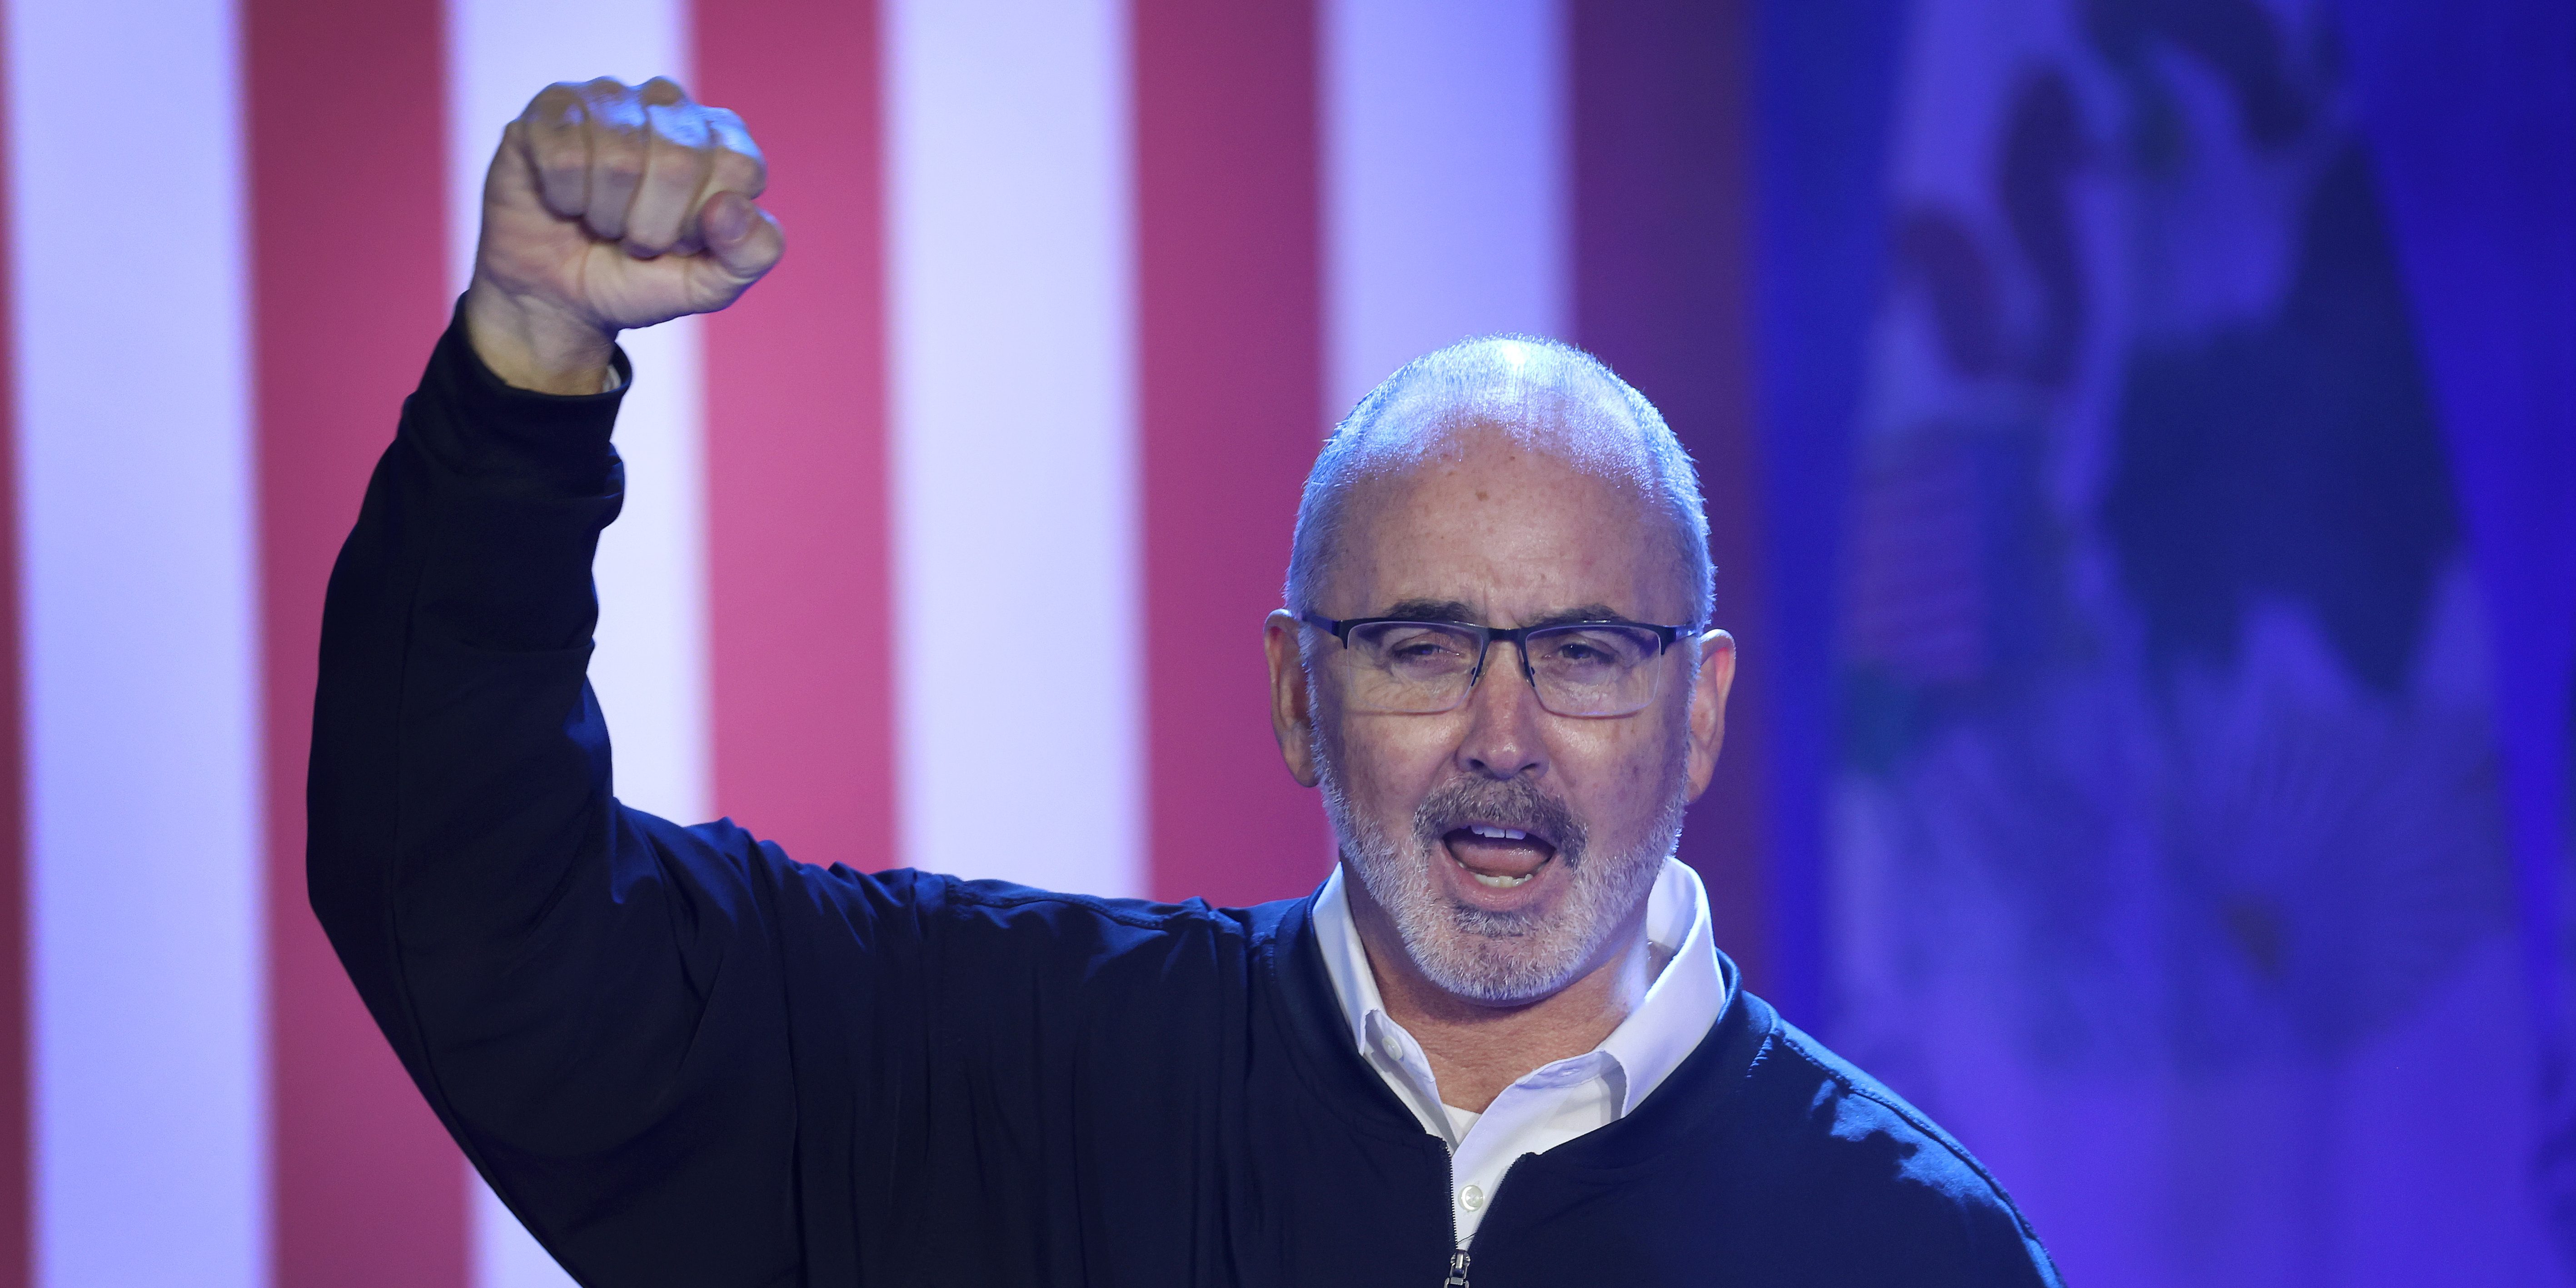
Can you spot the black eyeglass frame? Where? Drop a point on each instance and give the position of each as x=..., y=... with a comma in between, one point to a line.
x=1518, y=636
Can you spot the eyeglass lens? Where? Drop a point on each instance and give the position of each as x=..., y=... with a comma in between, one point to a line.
x=1428, y=667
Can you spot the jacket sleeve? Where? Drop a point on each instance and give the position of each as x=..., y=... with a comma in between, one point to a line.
x=590, y=998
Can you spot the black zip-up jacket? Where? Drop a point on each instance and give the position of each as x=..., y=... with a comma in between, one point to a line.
x=683, y=1059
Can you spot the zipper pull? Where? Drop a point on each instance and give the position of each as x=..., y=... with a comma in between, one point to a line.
x=1457, y=1270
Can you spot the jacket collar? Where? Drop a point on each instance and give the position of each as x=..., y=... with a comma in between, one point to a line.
x=1681, y=1004
x=1317, y=1036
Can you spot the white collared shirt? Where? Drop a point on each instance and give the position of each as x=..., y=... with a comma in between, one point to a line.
x=1556, y=1102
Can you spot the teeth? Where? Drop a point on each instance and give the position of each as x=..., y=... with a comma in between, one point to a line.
x=1497, y=833
x=1501, y=883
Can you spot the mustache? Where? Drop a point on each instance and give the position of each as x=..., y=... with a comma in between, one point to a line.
x=1516, y=804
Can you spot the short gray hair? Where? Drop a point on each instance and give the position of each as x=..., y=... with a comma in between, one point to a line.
x=1599, y=423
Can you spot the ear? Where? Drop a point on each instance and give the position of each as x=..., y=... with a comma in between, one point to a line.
x=1289, y=720
x=1708, y=706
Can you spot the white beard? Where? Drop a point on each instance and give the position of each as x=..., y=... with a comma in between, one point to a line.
x=1500, y=959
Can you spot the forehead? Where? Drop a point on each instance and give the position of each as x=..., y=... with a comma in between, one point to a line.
x=1502, y=522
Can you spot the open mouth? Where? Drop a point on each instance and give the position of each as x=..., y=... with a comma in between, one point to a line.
x=1498, y=857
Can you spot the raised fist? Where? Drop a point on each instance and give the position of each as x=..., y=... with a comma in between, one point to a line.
x=610, y=207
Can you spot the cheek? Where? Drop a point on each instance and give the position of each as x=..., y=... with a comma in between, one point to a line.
x=1618, y=772
x=1390, y=763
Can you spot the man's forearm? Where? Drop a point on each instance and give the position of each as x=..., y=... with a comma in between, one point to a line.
x=490, y=899
x=455, y=635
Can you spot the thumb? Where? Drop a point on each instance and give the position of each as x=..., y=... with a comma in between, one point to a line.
x=742, y=239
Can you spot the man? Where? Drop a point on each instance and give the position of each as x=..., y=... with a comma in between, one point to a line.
x=1497, y=1046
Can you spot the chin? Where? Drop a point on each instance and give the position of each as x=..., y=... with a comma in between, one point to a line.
x=1510, y=958
x=1496, y=957
x=1458, y=951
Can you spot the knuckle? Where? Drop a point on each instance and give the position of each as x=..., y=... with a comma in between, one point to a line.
x=617, y=150
x=738, y=162
x=740, y=173
x=556, y=151
x=674, y=169
x=677, y=127
x=728, y=125
x=612, y=105
x=614, y=133
x=555, y=104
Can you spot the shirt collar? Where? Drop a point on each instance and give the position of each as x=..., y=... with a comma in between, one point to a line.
x=1680, y=1005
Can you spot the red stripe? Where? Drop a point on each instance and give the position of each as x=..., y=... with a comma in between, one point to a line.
x=1662, y=292
x=16, y=1151
x=348, y=172
x=1231, y=371
x=797, y=517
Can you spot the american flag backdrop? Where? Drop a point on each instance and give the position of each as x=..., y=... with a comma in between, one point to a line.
x=949, y=546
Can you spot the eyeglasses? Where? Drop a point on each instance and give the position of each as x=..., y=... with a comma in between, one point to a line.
x=1424, y=668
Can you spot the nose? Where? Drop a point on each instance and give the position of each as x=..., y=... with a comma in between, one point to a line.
x=1503, y=721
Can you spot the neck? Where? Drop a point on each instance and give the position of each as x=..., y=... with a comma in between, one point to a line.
x=1478, y=1048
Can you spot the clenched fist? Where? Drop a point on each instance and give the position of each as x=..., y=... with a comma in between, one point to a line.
x=608, y=208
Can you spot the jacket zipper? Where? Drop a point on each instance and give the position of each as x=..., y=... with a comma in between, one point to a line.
x=1457, y=1254
x=1458, y=1257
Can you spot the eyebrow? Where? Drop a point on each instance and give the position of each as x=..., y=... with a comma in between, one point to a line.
x=1430, y=610
x=1451, y=610
x=1586, y=613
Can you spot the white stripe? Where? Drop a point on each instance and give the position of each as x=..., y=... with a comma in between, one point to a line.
x=142, y=667
x=1014, y=441
x=1444, y=177
x=651, y=665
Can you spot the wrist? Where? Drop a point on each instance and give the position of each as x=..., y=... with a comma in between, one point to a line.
x=536, y=346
